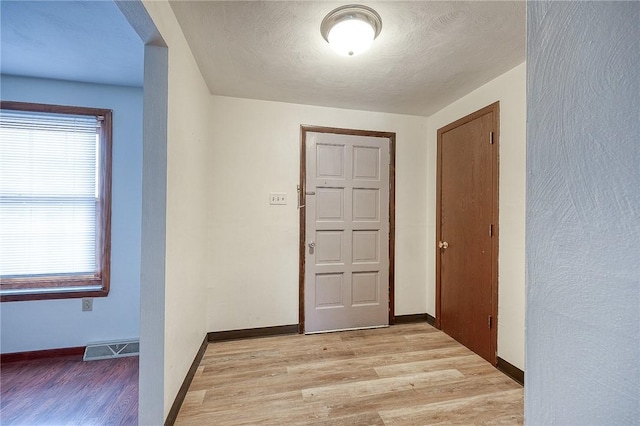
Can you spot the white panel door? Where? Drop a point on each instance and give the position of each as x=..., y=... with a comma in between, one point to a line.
x=347, y=232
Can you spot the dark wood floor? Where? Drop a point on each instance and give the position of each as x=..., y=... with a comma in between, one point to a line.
x=69, y=391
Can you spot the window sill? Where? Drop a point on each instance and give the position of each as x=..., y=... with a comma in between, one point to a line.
x=18, y=290
x=48, y=293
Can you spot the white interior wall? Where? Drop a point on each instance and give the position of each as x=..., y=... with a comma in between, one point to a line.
x=253, y=246
x=49, y=324
x=509, y=89
x=188, y=135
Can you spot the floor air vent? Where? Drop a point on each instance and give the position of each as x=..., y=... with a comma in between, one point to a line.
x=98, y=351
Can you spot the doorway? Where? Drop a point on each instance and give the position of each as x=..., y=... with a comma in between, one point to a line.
x=467, y=231
x=346, y=201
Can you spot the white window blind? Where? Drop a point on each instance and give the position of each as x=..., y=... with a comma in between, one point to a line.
x=48, y=194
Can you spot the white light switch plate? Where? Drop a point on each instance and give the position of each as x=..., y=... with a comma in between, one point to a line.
x=278, y=198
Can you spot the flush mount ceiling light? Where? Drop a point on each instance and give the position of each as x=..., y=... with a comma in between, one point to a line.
x=351, y=29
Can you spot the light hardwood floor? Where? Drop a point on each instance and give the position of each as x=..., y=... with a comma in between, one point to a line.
x=409, y=374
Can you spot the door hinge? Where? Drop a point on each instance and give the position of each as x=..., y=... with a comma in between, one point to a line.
x=489, y=322
x=491, y=138
x=491, y=230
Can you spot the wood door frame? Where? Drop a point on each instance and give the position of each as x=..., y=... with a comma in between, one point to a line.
x=495, y=109
x=304, y=129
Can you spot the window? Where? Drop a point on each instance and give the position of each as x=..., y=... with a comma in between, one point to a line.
x=55, y=201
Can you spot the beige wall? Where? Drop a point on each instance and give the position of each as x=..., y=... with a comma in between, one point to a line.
x=253, y=247
x=188, y=136
x=252, y=250
x=509, y=89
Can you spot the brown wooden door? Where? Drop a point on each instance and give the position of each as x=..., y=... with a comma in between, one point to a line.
x=467, y=231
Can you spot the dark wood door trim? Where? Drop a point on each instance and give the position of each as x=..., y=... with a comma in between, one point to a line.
x=495, y=109
x=304, y=129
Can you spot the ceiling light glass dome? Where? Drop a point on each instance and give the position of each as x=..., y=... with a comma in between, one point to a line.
x=351, y=29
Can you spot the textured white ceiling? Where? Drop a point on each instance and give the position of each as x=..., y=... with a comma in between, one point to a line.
x=87, y=41
x=429, y=53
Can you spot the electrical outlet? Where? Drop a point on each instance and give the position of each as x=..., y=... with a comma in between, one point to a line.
x=278, y=198
x=87, y=303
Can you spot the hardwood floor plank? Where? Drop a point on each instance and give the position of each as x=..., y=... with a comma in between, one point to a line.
x=404, y=374
x=426, y=366
x=476, y=409
x=380, y=386
x=403, y=346
x=232, y=405
x=285, y=383
x=362, y=419
x=67, y=390
x=213, y=378
x=273, y=409
x=193, y=399
x=379, y=360
x=439, y=392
